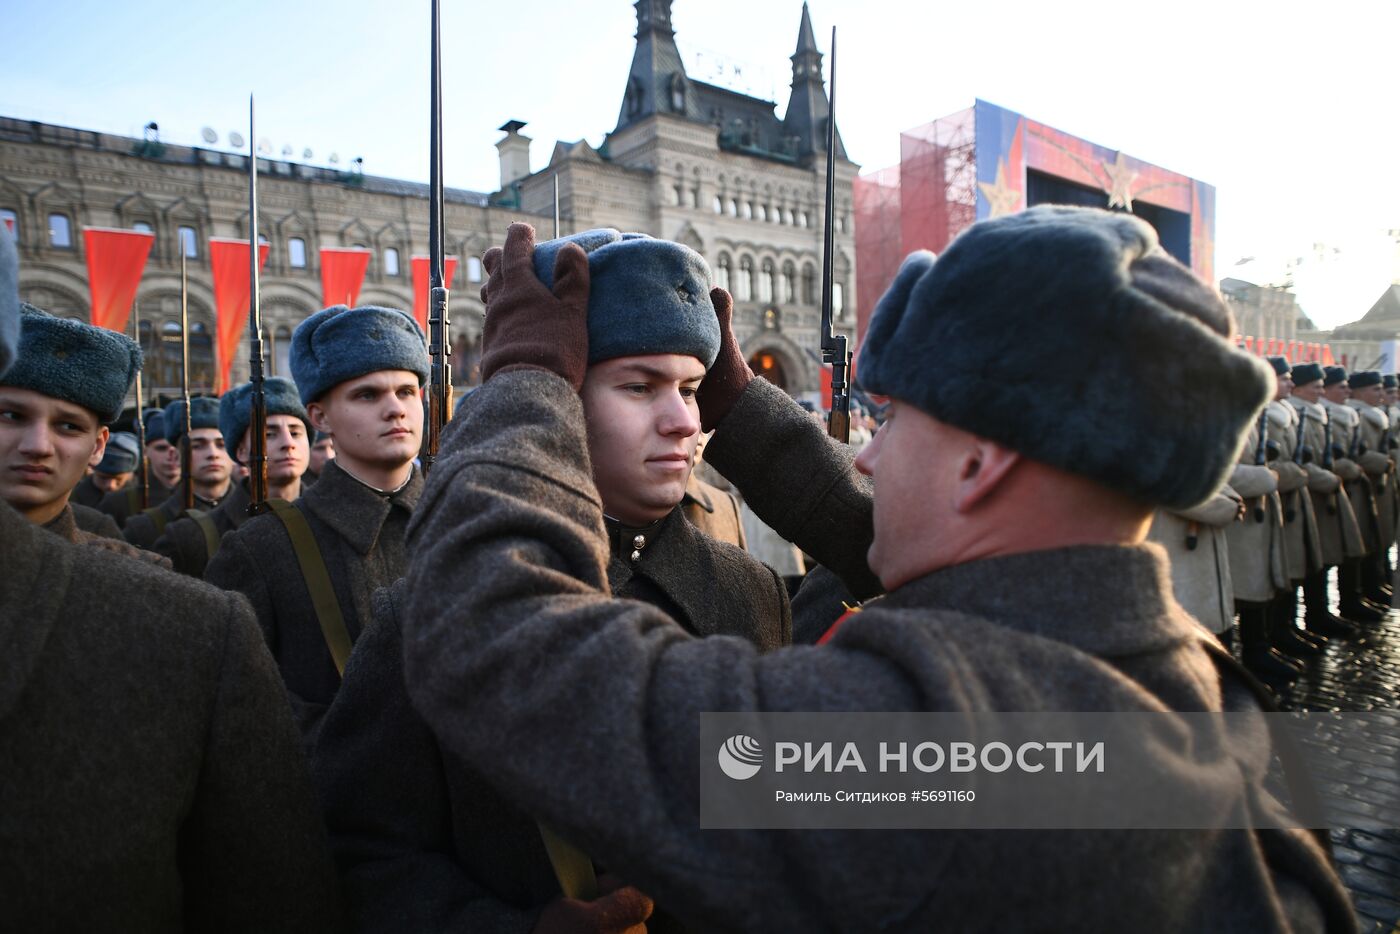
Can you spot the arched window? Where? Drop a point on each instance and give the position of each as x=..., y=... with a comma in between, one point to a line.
x=733, y=207
x=766, y=287
x=722, y=272
x=201, y=358
x=809, y=285
x=763, y=212
x=803, y=219
x=11, y=220
x=789, y=283
x=391, y=261
x=746, y=211
x=838, y=300
x=281, y=352
x=695, y=197
x=473, y=268
x=678, y=193
x=745, y=283
x=719, y=205
x=142, y=227
x=189, y=242
x=296, y=253
x=60, y=232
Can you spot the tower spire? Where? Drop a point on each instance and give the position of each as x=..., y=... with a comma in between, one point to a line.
x=807, y=107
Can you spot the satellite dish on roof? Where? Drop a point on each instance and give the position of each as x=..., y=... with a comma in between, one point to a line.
x=286, y=150
x=307, y=153
x=235, y=139
x=265, y=146
x=209, y=136
x=335, y=158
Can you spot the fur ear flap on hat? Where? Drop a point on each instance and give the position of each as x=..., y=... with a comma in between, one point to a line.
x=977, y=339
x=646, y=296
x=88, y=366
x=340, y=343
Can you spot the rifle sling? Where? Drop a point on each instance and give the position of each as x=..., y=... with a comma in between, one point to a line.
x=157, y=517
x=318, y=581
x=572, y=867
x=210, y=530
x=133, y=501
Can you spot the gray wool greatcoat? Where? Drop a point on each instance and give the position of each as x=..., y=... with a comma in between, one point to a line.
x=152, y=779
x=1374, y=497
x=422, y=842
x=98, y=523
x=361, y=537
x=66, y=526
x=1337, y=531
x=1255, y=544
x=585, y=710
x=1301, y=545
x=184, y=542
x=1200, y=575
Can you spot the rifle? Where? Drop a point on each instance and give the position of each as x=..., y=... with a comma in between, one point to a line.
x=257, y=422
x=439, y=399
x=1261, y=457
x=186, y=456
x=145, y=465
x=834, y=350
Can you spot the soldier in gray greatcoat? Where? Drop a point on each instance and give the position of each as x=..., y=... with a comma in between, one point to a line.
x=359, y=372
x=211, y=470
x=455, y=849
x=1011, y=547
x=189, y=542
x=1343, y=423
x=116, y=469
x=152, y=780
x=1374, y=496
x=57, y=402
x=162, y=473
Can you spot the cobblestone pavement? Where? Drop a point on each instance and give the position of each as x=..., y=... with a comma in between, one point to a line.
x=1364, y=674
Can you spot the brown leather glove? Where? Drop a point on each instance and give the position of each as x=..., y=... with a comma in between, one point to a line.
x=621, y=909
x=527, y=325
x=730, y=375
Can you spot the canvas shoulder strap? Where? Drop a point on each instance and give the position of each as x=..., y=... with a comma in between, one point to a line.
x=157, y=517
x=210, y=530
x=318, y=581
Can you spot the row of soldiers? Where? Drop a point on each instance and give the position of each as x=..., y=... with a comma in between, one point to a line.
x=1314, y=493
x=493, y=676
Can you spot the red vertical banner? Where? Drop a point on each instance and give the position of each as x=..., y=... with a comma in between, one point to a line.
x=115, y=261
x=342, y=274
x=232, y=292
x=420, y=286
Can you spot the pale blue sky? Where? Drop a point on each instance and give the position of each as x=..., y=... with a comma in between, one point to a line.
x=1288, y=108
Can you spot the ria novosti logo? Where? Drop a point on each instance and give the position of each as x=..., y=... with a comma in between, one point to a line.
x=740, y=757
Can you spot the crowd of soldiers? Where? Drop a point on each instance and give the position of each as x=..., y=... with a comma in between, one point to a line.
x=381, y=701
x=1314, y=493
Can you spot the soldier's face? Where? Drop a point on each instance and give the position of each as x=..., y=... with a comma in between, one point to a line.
x=377, y=419
x=643, y=425
x=1371, y=395
x=1285, y=386
x=287, y=449
x=110, y=482
x=1337, y=392
x=1390, y=396
x=912, y=459
x=210, y=464
x=46, y=447
x=1309, y=392
x=164, y=459
x=321, y=451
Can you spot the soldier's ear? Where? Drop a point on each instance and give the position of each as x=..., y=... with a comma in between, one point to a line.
x=99, y=449
x=317, y=414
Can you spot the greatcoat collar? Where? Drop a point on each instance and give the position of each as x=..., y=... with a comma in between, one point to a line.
x=668, y=560
x=356, y=512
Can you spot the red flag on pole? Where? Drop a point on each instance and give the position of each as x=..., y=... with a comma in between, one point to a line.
x=342, y=274
x=1327, y=359
x=228, y=259
x=420, y=286
x=115, y=261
